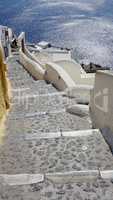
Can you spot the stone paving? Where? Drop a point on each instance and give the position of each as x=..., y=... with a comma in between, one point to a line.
x=19, y=155
x=43, y=122
x=55, y=155
x=95, y=190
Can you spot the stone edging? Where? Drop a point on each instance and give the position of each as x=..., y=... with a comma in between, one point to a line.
x=50, y=135
x=61, y=178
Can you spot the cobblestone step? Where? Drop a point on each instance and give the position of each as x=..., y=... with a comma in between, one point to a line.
x=47, y=190
x=21, y=78
x=67, y=177
x=47, y=122
x=54, y=155
x=39, y=103
x=33, y=91
x=15, y=68
x=38, y=145
x=27, y=83
x=35, y=86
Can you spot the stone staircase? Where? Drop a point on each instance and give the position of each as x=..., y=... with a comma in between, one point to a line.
x=47, y=153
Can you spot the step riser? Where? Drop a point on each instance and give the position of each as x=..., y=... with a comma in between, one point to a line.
x=51, y=135
x=59, y=178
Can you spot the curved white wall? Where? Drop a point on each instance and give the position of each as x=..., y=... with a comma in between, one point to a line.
x=78, y=75
x=32, y=57
x=32, y=67
x=28, y=60
x=57, y=76
x=20, y=38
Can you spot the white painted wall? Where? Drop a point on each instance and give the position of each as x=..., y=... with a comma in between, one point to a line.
x=58, y=76
x=80, y=92
x=32, y=57
x=28, y=60
x=20, y=38
x=75, y=71
x=32, y=67
x=101, y=105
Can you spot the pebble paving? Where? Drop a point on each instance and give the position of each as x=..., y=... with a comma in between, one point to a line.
x=95, y=190
x=19, y=155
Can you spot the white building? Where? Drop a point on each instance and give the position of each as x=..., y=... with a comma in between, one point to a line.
x=5, y=40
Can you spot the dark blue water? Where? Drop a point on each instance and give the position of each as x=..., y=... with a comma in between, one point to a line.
x=85, y=25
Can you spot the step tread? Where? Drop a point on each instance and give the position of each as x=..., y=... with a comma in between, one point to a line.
x=96, y=189
x=39, y=103
x=23, y=152
x=55, y=154
x=43, y=122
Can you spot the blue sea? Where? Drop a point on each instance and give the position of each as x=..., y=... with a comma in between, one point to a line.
x=84, y=25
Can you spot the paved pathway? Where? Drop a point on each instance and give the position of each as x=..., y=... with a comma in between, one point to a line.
x=44, y=156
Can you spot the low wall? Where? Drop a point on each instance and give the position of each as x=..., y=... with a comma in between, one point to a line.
x=10, y=35
x=32, y=57
x=4, y=99
x=58, y=77
x=28, y=60
x=80, y=92
x=21, y=40
x=31, y=66
x=63, y=55
x=78, y=75
x=22, y=45
x=101, y=105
